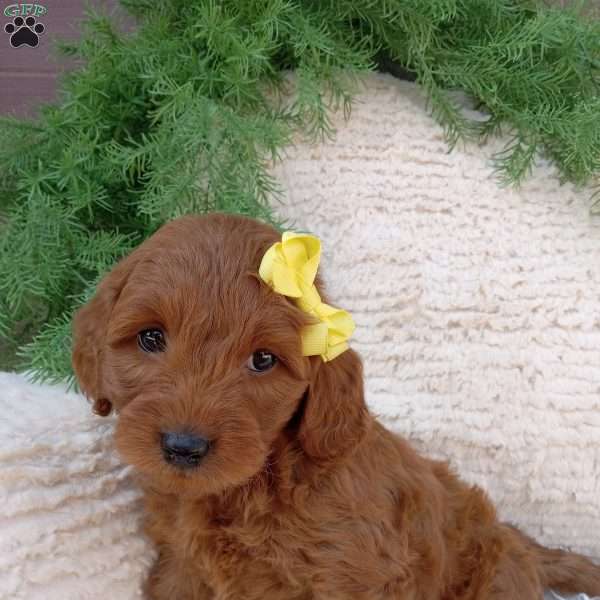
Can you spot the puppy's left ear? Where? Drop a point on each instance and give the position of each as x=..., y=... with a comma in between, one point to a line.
x=336, y=418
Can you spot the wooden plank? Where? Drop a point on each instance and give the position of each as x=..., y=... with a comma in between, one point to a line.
x=22, y=93
x=28, y=74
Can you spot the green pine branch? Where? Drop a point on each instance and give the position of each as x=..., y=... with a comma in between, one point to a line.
x=186, y=113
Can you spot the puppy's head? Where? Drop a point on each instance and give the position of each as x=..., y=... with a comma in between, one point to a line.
x=203, y=361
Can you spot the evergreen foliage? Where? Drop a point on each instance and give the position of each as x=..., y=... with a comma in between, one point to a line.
x=184, y=114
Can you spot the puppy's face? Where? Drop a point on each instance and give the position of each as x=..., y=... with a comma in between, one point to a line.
x=202, y=360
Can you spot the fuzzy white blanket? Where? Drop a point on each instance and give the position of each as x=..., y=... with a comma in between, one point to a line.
x=69, y=514
x=477, y=307
x=478, y=320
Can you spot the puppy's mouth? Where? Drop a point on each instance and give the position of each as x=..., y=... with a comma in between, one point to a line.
x=191, y=454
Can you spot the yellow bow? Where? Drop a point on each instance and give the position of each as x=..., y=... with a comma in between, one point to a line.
x=290, y=268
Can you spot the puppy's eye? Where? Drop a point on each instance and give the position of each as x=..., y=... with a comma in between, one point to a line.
x=151, y=340
x=261, y=361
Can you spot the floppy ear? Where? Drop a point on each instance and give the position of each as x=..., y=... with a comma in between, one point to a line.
x=90, y=325
x=335, y=418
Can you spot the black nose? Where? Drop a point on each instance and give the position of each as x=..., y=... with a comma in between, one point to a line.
x=184, y=450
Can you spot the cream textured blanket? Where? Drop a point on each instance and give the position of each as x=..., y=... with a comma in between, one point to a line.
x=69, y=514
x=477, y=307
x=478, y=318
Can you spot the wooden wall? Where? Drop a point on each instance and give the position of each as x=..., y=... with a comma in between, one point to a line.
x=28, y=75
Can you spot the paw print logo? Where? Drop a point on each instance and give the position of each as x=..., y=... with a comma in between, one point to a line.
x=24, y=31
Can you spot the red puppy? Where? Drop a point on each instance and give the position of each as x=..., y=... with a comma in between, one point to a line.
x=265, y=476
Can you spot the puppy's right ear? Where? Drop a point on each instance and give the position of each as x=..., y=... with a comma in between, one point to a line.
x=90, y=325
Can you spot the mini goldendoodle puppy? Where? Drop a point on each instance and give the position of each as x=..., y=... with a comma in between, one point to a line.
x=265, y=476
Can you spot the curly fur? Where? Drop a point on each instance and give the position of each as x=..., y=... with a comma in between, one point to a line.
x=304, y=494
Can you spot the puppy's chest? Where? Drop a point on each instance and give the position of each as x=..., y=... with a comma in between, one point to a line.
x=228, y=552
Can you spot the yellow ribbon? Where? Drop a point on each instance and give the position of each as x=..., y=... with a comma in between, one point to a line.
x=290, y=268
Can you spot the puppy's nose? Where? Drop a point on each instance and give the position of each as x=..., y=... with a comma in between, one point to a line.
x=184, y=450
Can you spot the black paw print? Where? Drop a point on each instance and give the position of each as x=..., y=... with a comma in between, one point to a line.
x=24, y=31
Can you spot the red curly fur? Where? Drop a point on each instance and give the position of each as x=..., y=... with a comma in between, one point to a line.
x=304, y=495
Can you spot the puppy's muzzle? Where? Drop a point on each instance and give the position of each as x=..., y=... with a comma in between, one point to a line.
x=183, y=450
